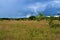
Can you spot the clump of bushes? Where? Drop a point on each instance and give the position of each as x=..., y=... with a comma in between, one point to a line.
x=32, y=18
x=51, y=18
x=40, y=17
x=59, y=18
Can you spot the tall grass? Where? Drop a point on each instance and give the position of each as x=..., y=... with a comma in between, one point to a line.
x=27, y=30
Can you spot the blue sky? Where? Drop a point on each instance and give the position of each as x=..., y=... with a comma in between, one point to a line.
x=26, y=8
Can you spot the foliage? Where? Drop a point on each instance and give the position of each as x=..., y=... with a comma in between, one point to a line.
x=32, y=18
x=51, y=20
x=59, y=17
x=40, y=17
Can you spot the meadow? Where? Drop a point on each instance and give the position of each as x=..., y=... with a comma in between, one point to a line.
x=29, y=30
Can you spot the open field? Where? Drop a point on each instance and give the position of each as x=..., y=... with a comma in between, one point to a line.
x=29, y=30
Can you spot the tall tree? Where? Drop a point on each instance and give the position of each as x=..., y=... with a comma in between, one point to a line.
x=40, y=16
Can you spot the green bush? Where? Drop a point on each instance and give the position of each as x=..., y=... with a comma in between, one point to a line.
x=51, y=20
x=32, y=18
x=59, y=17
x=40, y=17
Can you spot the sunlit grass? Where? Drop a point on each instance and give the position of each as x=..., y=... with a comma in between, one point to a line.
x=28, y=30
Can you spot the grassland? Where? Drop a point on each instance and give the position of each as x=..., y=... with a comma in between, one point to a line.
x=29, y=30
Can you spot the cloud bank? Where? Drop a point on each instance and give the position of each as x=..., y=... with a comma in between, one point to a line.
x=26, y=8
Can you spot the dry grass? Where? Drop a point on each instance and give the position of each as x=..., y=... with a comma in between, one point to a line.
x=28, y=30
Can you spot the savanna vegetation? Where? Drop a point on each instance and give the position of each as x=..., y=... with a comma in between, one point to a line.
x=32, y=28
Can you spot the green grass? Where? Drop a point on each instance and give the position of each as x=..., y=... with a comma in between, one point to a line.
x=28, y=30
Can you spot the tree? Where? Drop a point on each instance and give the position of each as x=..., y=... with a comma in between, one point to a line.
x=40, y=16
x=32, y=18
x=59, y=17
x=51, y=18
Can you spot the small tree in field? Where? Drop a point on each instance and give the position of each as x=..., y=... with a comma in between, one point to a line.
x=51, y=18
x=59, y=17
x=40, y=17
x=32, y=18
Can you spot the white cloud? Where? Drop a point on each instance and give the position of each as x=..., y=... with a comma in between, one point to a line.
x=58, y=11
x=42, y=6
x=54, y=16
x=28, y=15
x=55, y=4
x=37, y=7
x=56, y=0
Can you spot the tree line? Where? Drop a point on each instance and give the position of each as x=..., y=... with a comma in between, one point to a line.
x=38, y=18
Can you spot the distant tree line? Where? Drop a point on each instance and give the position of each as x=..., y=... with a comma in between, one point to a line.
x=38, y=18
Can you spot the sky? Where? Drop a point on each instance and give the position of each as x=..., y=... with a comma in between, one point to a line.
x=26, y=8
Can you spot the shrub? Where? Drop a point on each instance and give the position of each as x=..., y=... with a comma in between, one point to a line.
x=59, y=17
x=51, y=20
x=40, y=17
x=32, y=18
